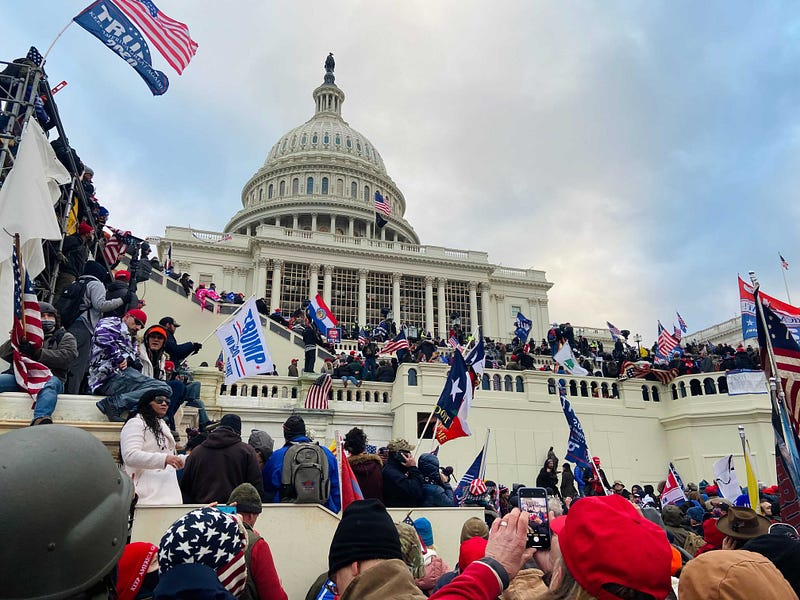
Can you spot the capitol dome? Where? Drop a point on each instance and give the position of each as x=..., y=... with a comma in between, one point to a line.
x=323, y=176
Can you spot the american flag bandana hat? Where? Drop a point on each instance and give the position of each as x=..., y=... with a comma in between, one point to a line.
x=477, y=487
x=208, y=537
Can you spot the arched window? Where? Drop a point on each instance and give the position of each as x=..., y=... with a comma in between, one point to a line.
x=353, y=189
x=655, y=394
x=325, y=139
x=604, y=390
x=708, y=384
x=260, y=195
x=584, y=389
x=340, y=187
x=485, y=383
x=349, y=143
x=520, y=384
x=412, y=377
x=674, y=391
x=507, y=383
x=614, y=390
x=573, y=388
x=325, y=185
x=269, y=192
x=338, y=140
x=551, y=386
x=310, y=185
x=722, y=385
x=282, y=188
x=645, y=394
x=295, y=186
x=695, y=387
x=496, y=383
x=682, y=388
x=314, y=139
x=366, y=193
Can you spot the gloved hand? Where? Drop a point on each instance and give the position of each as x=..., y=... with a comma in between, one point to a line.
x=29, y=349
x=197, y=347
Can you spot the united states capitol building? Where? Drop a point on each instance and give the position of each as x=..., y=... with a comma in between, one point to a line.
x=307, y=226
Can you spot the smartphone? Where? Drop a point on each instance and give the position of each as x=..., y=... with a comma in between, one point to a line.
x=231, y=510
x=533, y=500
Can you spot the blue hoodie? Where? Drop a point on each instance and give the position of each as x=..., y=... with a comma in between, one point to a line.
x=191, y=582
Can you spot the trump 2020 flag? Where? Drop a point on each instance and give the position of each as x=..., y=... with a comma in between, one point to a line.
x=452, y=409
x=473, y=473
x=577, y=449
x=321, y=315
x=244, y=347
x=522, y=327
x=673, y=492
x=104, y=20
x=566, y=359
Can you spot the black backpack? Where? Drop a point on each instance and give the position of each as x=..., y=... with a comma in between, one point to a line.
x=304, y=475
x=70, y=304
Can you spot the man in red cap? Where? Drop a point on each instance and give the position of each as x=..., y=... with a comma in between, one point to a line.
x=73, y=256
x=113, y=365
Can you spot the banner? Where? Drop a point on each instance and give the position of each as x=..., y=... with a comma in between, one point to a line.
x=109, y=25
x=725, y=478
x=745, y=381
x=789, y=315
x=577, y=449
x=243, y=344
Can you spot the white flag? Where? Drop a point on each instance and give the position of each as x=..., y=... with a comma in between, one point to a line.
x=244, y=346
x=725, y=478
x=566, y=358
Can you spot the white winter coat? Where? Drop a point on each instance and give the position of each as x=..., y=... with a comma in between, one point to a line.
x=144, y=462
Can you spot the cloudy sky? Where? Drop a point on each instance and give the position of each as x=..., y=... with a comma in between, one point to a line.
x=641, y=153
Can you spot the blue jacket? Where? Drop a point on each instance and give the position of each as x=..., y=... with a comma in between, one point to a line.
x=271, y=473
x=177, y=352
x=434, y=492
x=191, y=582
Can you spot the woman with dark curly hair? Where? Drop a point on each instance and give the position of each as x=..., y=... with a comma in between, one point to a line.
x=147, y=450
x=366, y=467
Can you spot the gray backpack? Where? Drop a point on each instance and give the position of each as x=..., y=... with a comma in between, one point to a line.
x=304, y=475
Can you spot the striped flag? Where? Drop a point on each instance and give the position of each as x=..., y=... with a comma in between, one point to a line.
x=666, y=343
x=615, y=332
x=784, y=264
x=642, y=369
x=473, y=473
x=115, y=246
x=398, y=343
x=317, y=397
x=676, y=333
x=362, y=338
x=30, y=374
x=453, y=343
x=168, y=262
x=673, y=492
x=681, y=322
x=381, y=205
x=169, y=36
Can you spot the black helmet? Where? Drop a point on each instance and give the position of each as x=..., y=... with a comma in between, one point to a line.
x=77, y=504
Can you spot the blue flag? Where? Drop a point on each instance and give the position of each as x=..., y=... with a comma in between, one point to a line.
x=476, y=358
x=522, y=327
x=457, y=385
x=577, y=450
x=474, y=472
x=109, y=25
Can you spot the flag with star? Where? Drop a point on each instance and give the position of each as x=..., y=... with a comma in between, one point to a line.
x=454, y=403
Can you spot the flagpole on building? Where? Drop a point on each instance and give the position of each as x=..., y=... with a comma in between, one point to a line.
x=786, y=284
x=424, y=429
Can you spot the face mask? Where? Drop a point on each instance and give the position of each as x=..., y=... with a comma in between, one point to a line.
x=48, y=326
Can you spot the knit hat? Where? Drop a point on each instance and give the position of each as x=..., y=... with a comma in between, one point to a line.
x=398, y=445
x=122, y=275
x=246, y=498
x=293, y=427
x=232, y=422
x=477, y=487
x=46, y=307
x=594, y=545
x=711, y=533
x=139, y=315
x=474, y=527
x=365, y=532
x=261, y=439
x=412, y=552
x=732, y=575
x=132, y=567
x=470, y=551
x=696, y=513
x=208, y=537
x=424, y=529
x=672, y=515
x=85, y=228
x=784, y=554
x=742, y=523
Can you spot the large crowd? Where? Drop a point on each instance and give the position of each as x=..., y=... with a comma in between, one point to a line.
x=605, y=541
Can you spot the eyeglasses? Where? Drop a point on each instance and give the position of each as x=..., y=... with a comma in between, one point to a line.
x=161, y=400
x=784, y=529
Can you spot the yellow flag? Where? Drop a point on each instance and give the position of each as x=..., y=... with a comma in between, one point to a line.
x=72, y=218
x=752, y=482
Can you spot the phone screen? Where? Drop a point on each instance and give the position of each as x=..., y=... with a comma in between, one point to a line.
x=226, y=509
x=534, y=502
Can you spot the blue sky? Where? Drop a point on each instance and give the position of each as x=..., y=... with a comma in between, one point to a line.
x=640, y=153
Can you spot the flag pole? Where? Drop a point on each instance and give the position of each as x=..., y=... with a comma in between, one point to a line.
x=785, y=284
x=21, y=277
x=485, y=451
x=424, y=429
x=60, y=33
x=751, y=493
x=233, y=314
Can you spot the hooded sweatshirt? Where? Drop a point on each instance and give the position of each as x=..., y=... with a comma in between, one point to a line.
x=368, y=471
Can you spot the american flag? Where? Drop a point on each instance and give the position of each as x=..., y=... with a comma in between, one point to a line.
x=30, y=374
x=477, y=487
x=681, y=322
x=676, y=333
x=115, y=246
x=370, y=449
x=169, y=36
x=642, y=370
x=784, y=264
x=168, y=261
x=453, y=343
x=615, y=332
x=35, y=56
x=396, y=344
x=381, y=205
x=362, y=338
x=666, y=343
x=317, y=397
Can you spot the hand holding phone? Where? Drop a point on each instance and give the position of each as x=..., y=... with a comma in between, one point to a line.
x=534, y=502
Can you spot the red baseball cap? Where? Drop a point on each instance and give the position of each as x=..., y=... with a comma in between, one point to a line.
x=122, y=275
x=604, y=540
x=138, y=314
x=132, y=567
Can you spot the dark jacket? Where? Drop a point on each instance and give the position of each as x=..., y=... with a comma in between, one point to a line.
x=547, y=480
x=191, y=582
x=568, y=484
x=368, y=471
x=217, y=466
x=385, y=374
x=177, y=352
x=401, y=486
x=76, y=253
x=121, y=289
x=59, y=350
x=434, y=491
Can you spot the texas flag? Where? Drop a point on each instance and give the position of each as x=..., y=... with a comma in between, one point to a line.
x=454, y=403
x=321, y=315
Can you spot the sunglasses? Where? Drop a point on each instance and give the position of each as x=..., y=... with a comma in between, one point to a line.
x=138, y=322
x=161, y=400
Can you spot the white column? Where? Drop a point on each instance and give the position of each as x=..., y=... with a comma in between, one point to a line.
x=295, y=221
x=313, y=280
x=473, y=306
x=327, y=275
x=350, y=227
x=275, y=298
x=486, y=325
x=260, y=278
x=362, y=297
x=313, y=221
x=383, y=233
x=396, y=297
x=443, y=329
x=503, y=323
x=429, y=305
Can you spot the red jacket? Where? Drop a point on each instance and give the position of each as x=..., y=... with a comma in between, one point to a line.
x=477, y=582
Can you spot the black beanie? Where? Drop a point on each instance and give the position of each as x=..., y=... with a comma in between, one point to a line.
x=783, y=552
x=365, y=532
x=293, y=427
x=232, y=422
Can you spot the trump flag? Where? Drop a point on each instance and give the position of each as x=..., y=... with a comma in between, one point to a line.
x=244, y=346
